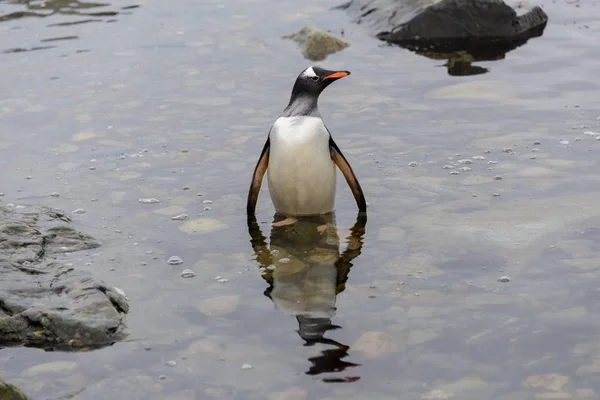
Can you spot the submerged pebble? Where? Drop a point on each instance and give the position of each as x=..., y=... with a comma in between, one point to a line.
x=464, y=169
x=188, y=273
x=537, y=142
x=564, y=142
x=174, y=260
x=180, y=217
x=465, y=161
x=246, y=366
x=454, y=172
x=149, y=200
x=478, y=158
x=412, y=164
x=53, y=194
x=504, y=279
x=498, y=177
x=218, y=306
x=496, y=194
x=79, y=211
x=171, y=363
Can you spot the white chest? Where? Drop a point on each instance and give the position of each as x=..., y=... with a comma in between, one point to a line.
x=301, y=173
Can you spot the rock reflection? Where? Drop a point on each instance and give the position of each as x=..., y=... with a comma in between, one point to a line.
x=306, y=272
x=460, y=59
x=53, y=7
x=84, y=12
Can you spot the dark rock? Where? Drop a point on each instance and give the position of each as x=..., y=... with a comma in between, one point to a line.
x=10, y=392
x=46, y=304
x=483, y=29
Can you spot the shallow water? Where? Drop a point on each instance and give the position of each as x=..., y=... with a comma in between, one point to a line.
x=173, y=101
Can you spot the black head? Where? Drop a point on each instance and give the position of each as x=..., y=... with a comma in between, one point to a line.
x=307, y=88
x=314, y=79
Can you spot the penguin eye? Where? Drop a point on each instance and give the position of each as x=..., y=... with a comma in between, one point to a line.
x=314, y=78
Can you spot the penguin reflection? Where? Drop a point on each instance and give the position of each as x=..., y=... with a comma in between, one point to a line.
x=306, y=272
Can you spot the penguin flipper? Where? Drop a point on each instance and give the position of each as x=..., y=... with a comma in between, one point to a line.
x=257, y=178
x=339, y=160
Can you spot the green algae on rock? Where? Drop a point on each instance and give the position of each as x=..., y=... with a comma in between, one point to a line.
x=317, y=44
x=10, y=392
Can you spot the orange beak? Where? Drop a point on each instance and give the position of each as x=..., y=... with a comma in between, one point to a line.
x=337, y=75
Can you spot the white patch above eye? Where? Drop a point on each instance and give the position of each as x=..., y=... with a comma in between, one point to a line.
x=310, y=72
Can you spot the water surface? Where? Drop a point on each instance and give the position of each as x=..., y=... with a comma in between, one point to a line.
x=173, y=101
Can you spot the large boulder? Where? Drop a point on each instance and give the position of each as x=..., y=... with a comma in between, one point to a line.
x=484, y=29
x=45, y=303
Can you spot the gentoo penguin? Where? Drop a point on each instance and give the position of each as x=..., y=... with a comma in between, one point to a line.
x=300, y=155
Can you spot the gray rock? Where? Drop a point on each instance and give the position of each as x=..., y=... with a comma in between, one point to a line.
x=10, y=392
x=461, y=31
x=46, y=304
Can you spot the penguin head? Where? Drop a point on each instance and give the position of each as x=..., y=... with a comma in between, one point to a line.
x=313, y=80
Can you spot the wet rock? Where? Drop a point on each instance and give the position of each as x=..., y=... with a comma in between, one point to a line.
x=218, y=306
x=447, y=24
x=461, y=31
x=10, y=392
x=375, y=344
x=46, y=304
x=317, y=44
